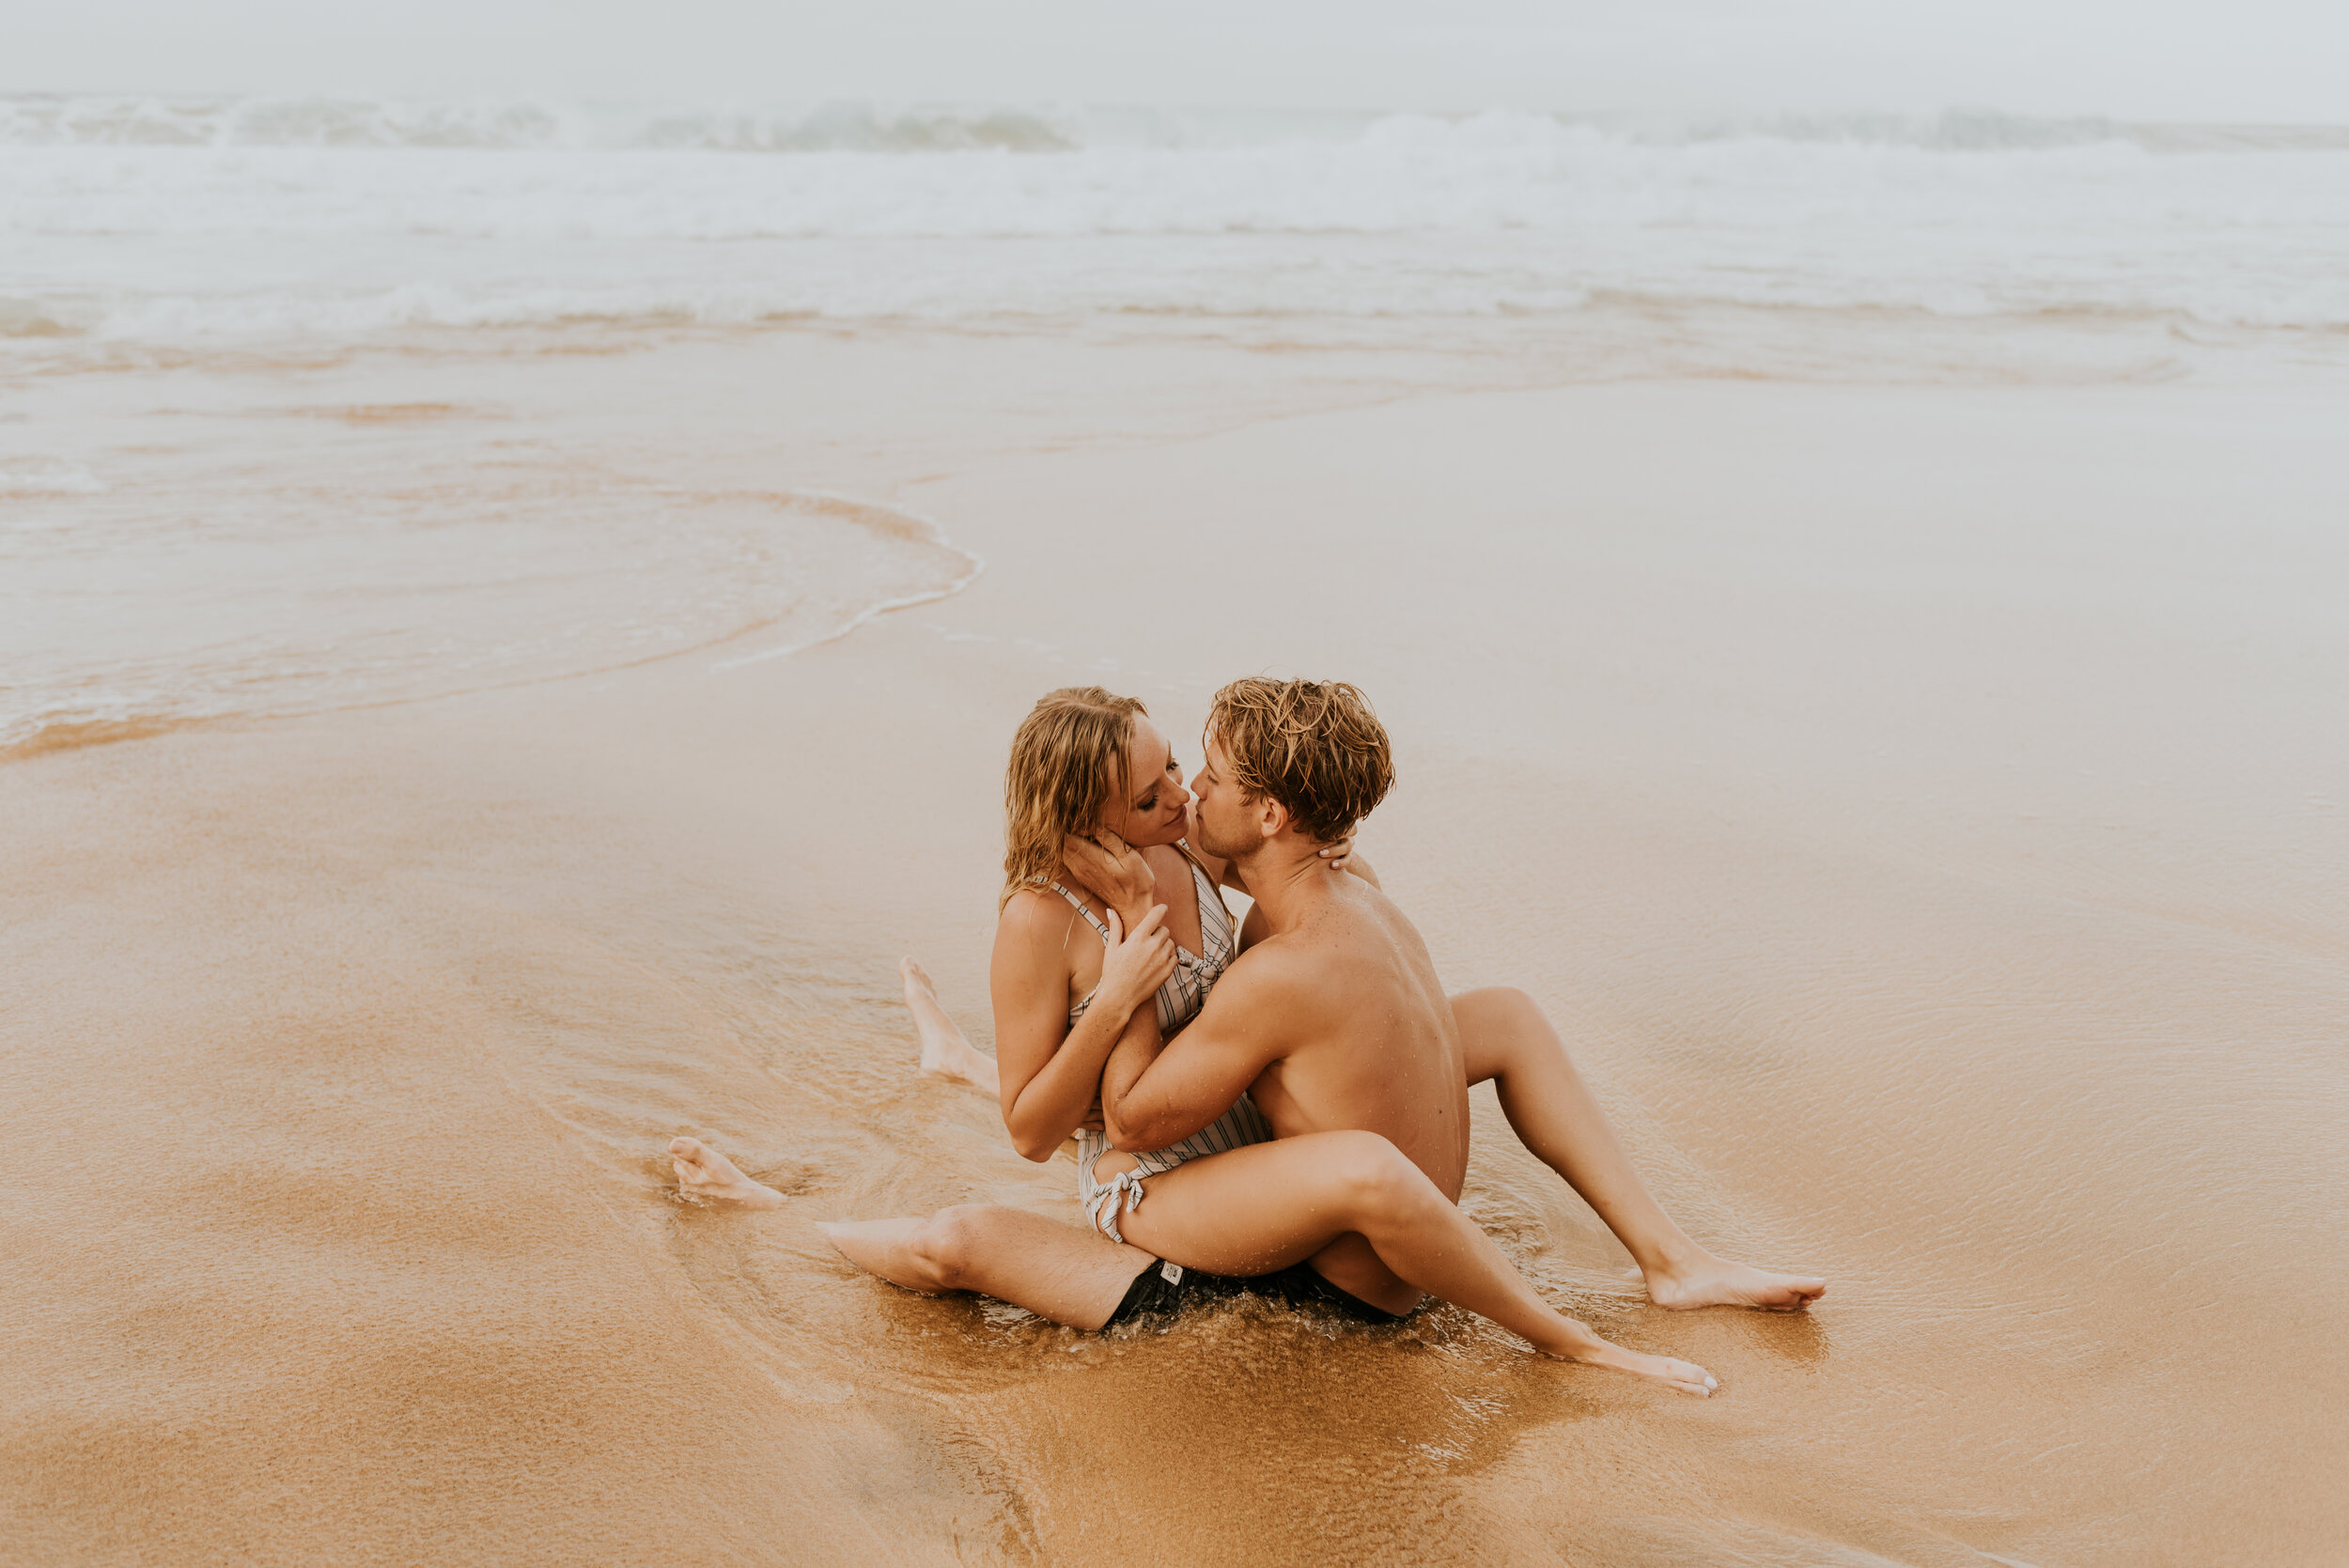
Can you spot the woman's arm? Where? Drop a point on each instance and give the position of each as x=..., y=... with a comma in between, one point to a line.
x=1050, y=1072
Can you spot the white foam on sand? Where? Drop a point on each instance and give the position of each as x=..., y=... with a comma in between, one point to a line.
x=124, y=619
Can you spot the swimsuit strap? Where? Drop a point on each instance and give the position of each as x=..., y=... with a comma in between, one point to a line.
x=1099, y=929
x=1215, y=933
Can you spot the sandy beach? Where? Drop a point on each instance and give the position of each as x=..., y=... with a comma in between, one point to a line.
x=1916, y=799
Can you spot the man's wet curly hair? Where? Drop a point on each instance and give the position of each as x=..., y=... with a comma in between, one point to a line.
x=1314, y=746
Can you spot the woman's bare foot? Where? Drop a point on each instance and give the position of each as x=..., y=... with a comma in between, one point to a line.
x=945, y=1052
x=703, y=1173
x=1711, y=1283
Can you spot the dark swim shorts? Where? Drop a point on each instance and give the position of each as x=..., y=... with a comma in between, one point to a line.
x=1162, y=1290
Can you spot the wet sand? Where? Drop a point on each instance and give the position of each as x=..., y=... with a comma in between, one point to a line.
x=1917, y=806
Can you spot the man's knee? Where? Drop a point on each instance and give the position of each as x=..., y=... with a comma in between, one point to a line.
x=1379, y=1181
x=945, y=1247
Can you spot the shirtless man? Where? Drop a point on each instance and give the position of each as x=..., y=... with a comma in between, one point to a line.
x=1332, y=1018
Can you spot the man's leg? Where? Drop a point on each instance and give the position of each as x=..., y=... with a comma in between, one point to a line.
x=1258, y=1209
x=1507, y=1038
x=1056, y=1270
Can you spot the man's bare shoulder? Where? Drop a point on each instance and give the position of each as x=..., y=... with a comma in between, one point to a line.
x=1275, y=970
x=1365, y=914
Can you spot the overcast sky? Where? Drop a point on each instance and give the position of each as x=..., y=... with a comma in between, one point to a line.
x=2257, y=60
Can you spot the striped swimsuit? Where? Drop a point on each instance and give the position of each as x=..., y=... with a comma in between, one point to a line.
x=1179, y=1001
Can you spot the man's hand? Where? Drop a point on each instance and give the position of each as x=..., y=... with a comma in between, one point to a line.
x=1115, y=873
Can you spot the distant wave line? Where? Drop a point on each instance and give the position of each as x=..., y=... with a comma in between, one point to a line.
x=322, y=121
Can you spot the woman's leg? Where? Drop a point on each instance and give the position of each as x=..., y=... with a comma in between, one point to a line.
x=944, y=1049
x=1258, y=1209
x=1507, y=1038
x=704, y=1173
x=1072, y=1276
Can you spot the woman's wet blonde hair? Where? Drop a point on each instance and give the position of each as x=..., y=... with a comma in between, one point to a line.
x=1068, y=753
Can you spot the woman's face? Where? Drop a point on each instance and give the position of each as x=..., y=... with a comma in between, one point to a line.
x=1154, y=809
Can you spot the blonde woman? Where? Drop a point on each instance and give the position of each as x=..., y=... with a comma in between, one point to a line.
x=1106, y=907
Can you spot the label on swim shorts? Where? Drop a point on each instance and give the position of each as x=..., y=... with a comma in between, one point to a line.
x=1170, y=1272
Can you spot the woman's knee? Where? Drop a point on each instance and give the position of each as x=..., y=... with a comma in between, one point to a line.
x=1504, y=1033
x=1506, y=1007
x=946, y=1247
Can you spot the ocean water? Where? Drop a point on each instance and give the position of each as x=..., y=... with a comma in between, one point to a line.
x=174, y=265
x=134, y=222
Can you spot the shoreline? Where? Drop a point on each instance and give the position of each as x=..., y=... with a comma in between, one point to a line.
x=1729, y=726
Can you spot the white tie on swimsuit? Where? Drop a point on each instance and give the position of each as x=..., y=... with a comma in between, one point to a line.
x=1179, y=1001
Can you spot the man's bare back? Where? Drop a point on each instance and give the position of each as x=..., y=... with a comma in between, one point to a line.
x=1368, y=1037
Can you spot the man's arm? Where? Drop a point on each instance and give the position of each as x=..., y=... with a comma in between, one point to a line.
x=1153, y=1095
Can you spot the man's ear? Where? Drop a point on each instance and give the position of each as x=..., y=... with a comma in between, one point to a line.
x=1271, y=818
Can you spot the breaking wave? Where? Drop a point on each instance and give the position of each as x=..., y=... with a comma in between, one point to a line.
x=149, y=221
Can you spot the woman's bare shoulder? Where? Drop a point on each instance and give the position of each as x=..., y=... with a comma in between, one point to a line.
x=1035, y=913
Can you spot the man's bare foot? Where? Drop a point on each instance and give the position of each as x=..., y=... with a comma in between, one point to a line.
x=1689, y=1378
x=1711, y=1283
x=703, y=1173
x=1572, y=1340
x=945, y=1052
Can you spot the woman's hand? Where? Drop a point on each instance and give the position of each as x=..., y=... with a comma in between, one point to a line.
x=1135, y=966
x=1114, y=871
x=1339, y=855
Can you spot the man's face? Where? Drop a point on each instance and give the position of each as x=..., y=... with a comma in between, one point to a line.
x=1223, y=821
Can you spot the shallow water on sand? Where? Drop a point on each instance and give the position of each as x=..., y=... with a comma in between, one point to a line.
x=1912, y=802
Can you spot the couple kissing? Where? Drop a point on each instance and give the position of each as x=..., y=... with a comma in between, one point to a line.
x=1278, y=1106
